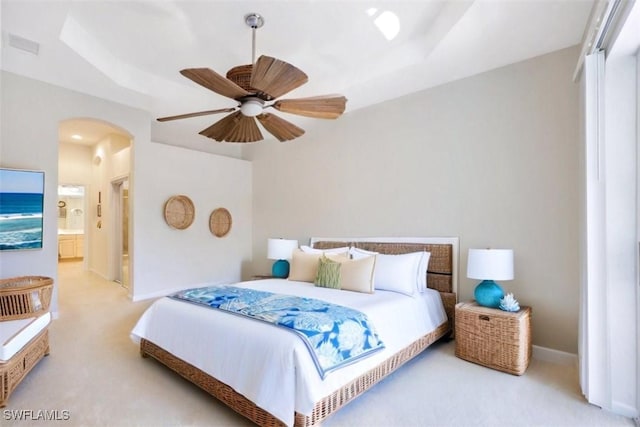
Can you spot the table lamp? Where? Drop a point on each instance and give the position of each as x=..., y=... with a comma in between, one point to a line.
x=489, y=265
x=281, y=250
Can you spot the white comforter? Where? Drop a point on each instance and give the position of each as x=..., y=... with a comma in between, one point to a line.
x=269, y=365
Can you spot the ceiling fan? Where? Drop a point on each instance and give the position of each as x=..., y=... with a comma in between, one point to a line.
x=256, y=87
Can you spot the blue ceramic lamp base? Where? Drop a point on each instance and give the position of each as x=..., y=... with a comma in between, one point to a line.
x=280, y=269
x=488, y=293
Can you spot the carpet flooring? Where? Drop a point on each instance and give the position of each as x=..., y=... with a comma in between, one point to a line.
x=94, y=376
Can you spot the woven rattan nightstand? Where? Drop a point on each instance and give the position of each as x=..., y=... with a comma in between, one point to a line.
x=494, y=338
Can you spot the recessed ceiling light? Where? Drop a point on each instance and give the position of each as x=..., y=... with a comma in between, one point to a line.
x=76, y=137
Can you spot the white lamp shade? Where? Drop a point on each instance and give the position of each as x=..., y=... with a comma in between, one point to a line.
x=281, y=248
x=490, y=264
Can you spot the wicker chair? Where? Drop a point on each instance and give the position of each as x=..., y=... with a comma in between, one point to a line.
x=24, y=328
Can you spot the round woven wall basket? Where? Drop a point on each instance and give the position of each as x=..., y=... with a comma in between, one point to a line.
x=179, y=212
x=220, y=222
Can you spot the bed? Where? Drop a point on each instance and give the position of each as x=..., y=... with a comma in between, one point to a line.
x=225, y=366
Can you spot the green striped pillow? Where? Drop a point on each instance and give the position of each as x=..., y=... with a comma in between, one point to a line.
x=328, y=273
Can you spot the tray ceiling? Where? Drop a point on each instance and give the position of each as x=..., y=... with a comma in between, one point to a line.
x=131, y=52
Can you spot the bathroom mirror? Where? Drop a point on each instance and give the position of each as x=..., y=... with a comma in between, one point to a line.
x=70, y=207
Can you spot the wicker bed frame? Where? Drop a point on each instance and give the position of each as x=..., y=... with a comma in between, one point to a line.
x=441, y=275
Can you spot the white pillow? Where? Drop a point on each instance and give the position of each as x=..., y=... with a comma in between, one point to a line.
x=422, y=272
x=405, y=273
x=357, y=253
x=310, y=250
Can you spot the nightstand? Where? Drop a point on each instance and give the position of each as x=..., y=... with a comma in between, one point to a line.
x=494, y=338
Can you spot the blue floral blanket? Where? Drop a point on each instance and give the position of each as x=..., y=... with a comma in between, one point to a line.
x=335, y=335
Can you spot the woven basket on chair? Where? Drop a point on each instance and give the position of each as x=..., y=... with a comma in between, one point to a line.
x=23, y=297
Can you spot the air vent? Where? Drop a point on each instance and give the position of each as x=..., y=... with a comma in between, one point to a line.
x=24, y=44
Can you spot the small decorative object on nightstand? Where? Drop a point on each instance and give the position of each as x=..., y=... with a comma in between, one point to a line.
x=489, y=265
x=494, y=338
x=509, y=303
x=281, y=250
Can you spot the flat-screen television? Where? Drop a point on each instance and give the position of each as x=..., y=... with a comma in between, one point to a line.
x=21, y=208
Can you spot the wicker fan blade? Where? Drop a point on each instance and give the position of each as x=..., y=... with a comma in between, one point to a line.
x=220, y=129
x=215, y=82
x=320, y=107
x=245, y=131
x=280, y=128
x=200, y=113
x=234, y=128
x=273, y=77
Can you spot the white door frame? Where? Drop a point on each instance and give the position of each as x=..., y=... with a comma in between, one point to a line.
x=115, y=239
x=593, y=350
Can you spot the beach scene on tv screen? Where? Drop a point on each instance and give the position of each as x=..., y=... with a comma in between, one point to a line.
x=21, y=206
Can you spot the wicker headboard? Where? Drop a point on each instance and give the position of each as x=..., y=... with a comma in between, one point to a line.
x=443, y=263
x=442, y=271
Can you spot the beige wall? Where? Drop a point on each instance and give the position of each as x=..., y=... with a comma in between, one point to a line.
x=167, y=259
x=492, y=159
x=74, y=164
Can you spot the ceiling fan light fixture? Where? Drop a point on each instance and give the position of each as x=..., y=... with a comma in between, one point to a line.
x=251, y=107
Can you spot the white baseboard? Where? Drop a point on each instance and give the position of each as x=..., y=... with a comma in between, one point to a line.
x=554, y=356
x=99, y=274
x=624, y=410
